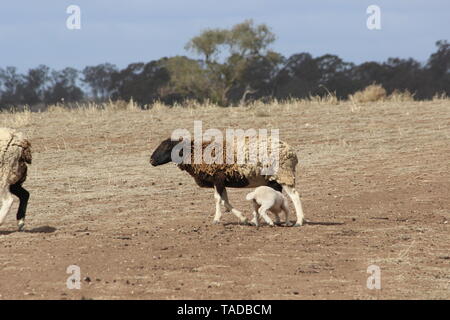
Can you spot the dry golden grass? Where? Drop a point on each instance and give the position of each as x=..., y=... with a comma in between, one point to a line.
x=401, y=96
x=375, y=92
x=372, y=93
x=13, y=119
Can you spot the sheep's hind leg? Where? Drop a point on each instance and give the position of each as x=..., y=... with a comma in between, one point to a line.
x=7, y=201
x=285, y=209
x=23, y=196
x=295, y=197
x=218, y=199
x=229, y=207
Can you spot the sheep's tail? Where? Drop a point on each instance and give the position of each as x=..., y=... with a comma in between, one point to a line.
x=250, y=196
x=26, y=151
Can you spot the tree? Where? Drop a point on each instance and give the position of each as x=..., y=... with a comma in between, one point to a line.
x=403, y=74
x=188, y=80
x=228, y=55
x=438, y=69
x=259, y=77
x=36, y=84
x=12, y=85
x=439, y=62
x=335, y=75
x=98, y=78
x=142, y=82
x=63, y=87
x=298, y=78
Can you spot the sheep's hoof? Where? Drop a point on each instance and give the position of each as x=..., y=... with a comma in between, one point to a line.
x=20, y=225
x=215, y=222
x=253, y=224
x=245, y=223
x=288, y=224
x=298, y=224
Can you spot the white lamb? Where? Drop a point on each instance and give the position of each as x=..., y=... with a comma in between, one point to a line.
x=267, y=199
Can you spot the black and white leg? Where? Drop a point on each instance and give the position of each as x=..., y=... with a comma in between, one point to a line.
x=23, y=196
x=219, y=201
x=229, y=207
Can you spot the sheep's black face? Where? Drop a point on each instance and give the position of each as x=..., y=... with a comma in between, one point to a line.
x=163, y=154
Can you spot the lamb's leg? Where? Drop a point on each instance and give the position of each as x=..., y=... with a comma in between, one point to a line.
x=277, y=218
x=263, y=213
x=295, y=197
x=218, y=199
x=255, y=220
x=229, y=207
x=7, y=201
x=23, y=196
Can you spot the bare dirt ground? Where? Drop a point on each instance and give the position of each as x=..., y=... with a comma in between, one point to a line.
x=374, y=180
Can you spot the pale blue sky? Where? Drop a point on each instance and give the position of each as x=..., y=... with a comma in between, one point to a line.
x=121, y=32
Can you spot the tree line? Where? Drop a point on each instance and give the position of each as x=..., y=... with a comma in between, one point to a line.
x=234, y=65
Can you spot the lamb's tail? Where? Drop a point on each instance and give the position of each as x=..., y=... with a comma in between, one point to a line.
x=250, y=196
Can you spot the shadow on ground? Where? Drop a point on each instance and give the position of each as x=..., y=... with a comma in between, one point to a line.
x=43, y=229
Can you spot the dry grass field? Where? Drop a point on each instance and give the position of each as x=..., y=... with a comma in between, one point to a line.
x=374, y=180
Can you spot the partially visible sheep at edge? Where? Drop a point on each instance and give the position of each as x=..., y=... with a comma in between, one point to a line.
x=15, y=154
x=248, y=175
x=267, y=199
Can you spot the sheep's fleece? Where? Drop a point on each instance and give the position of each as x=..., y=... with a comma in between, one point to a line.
x=286, y=171
x=14, y=154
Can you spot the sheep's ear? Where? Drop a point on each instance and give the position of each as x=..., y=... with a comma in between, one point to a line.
x=172, y=139
x=175, y=142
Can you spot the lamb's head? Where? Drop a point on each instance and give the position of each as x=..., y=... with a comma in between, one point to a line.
x=163, y=153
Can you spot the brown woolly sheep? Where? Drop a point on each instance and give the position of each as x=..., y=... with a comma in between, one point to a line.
x=224, y=174
x=15, y=153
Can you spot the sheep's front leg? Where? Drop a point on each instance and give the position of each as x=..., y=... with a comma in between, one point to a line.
x=229, y=207
x=295, y=197
x=7, y=201
x=218, y=199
